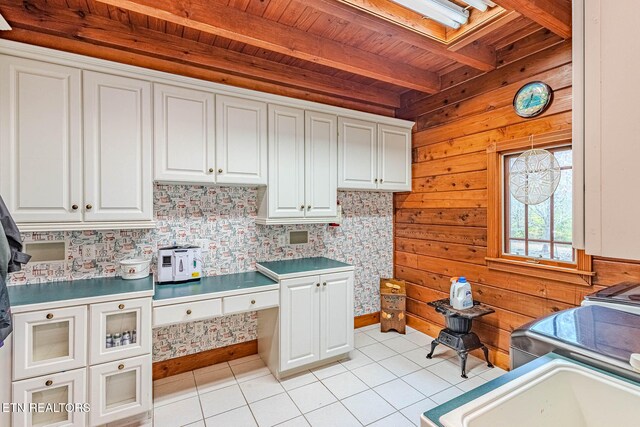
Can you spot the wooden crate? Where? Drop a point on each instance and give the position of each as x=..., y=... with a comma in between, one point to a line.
x=393, y=305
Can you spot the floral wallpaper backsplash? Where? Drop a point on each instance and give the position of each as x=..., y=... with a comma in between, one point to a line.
x=222, y=220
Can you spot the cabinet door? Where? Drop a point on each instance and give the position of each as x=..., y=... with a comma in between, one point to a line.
x=299, y=322
x=394, y=158
x=336, y=314
x=184, y=134
x=57, y=389
x=119, y=390
x=49, y=341
x=117, y=148
x=241, y=141
x=119, y=317
x=40, y=140
x=286, y=162
x=321, y=164
x=357, y=154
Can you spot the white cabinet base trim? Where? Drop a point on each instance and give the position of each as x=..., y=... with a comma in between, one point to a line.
x=80, y=226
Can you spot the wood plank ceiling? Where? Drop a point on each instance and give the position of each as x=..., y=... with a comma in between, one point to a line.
x=369, y=55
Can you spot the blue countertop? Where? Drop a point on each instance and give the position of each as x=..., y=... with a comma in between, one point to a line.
x=43, y=293
x=213, y=284
x=302, y=265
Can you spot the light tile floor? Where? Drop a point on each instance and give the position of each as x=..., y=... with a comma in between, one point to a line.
x=386, y=381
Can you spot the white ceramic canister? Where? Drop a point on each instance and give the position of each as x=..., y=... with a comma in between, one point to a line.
x=136, y=268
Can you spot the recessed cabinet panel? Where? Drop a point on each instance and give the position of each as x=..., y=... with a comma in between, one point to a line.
x=184, y=134
x=56, y=390
x=394, y=158
x=336, y=319
x=120, y=329
x=118, y=146
x=321, y=164
x=286, y=162
x=241, y=141
x=40, y=140
x=119, y=389
x=299, y=317
x=49, y=341
x=357, y=154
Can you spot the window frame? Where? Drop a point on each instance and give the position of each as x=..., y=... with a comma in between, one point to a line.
x=579, y=272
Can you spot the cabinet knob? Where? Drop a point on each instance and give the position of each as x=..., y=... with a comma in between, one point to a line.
x=121, y=366
x=375, y=180
x=48, y=383
x=89, y=207
x=121, y=306
x=210, y=170
x=324, y=284
x=253, y=301
x=317, y=285
x=301, y=207
x=219, y=170
x=50, y=316
x=381, y=180
x=309, y=207
x=189, y=311
x=74, y=207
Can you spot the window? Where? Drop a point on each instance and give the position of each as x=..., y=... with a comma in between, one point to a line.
x=533, y=240
x=543, y=231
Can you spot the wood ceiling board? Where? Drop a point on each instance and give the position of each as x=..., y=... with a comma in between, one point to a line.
x=111, y=33
x=292, y=13
x=361, y=12
x=554, y=15
x=519, y=26
x=228, y=22
x=505, y=19
x=275, y=9
x=536, y=42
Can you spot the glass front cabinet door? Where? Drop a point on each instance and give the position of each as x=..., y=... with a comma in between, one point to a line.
x=49, y=341
x=119, y=389
x=60, y=398
x=120, y=329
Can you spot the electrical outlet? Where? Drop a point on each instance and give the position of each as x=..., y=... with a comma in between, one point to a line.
x=282, y=240
x=89, y=252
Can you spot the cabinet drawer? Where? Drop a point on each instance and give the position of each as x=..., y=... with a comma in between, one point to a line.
x=49, y=341
x=249, y=302
x=187, y=312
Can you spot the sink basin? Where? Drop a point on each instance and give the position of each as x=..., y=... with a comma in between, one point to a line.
x=557, y=394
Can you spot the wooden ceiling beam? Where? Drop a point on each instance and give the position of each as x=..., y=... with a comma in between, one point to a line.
x=64, y=22
x=384, y=16
x=555, y=15
x=256, y=31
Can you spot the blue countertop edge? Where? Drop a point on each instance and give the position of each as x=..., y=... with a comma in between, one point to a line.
x=212, y=285
x=50, y=292
x=301, y=265
x=434, y=414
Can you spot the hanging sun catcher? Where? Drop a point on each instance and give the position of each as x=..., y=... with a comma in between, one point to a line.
x=534, y=176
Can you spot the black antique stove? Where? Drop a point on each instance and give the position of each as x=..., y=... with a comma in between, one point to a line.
x=457, y=335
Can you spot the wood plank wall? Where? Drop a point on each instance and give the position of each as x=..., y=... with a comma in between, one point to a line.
x=441, y=227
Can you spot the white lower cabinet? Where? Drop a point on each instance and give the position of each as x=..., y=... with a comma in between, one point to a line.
x=49, y=341
x=315, y=322
x=119, y=389
x=58, y=390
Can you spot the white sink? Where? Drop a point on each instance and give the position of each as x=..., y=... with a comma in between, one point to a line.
x=557, y=394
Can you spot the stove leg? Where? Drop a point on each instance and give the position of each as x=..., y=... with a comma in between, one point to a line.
x=486, y=356
x=434, y=344
x=463, y=364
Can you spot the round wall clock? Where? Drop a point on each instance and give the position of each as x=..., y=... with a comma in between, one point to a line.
x=532, y=99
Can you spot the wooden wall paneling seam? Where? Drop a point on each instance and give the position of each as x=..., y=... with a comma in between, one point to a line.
x=130, y=58
x=475, y=236
x=271, y=35
x=466, y=217
x=108, y=33
x=475, y=180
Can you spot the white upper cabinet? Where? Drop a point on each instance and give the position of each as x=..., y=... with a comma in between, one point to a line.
x=611, y=128
x=184, y=134
x=241, y=141
x=321, y=164
x=117, y=148
x=286, y=162
x=357, y=154
x=394, y=158
x=373, y=156
x=40, y=140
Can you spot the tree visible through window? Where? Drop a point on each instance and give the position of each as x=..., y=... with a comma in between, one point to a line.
x=541, y=231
